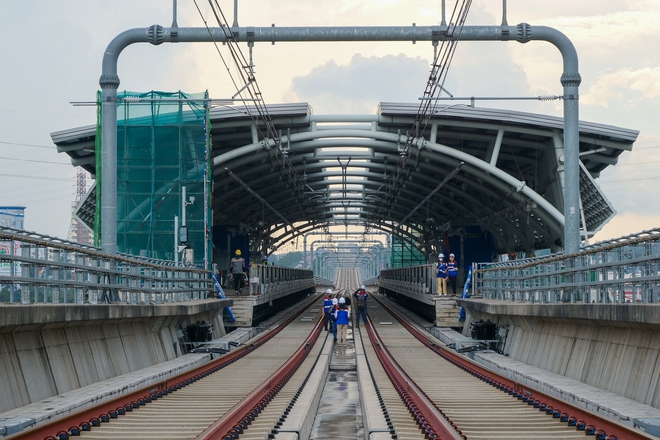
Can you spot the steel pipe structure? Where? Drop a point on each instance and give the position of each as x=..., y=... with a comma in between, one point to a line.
x=522, y=33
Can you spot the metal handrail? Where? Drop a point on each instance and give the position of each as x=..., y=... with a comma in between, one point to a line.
x=622, y=270
x=51, y=270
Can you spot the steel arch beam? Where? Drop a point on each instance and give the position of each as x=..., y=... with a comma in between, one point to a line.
x=309, y=141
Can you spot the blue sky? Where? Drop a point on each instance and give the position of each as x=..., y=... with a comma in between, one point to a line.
x=53, y=51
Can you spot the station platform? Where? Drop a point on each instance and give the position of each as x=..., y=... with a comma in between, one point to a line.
x=250, y=310
x=441, y=309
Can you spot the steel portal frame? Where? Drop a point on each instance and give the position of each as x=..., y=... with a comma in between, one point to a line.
x=521, y=33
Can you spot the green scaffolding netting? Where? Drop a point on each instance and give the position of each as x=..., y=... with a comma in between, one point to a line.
x=404, y=254
x=162, y=147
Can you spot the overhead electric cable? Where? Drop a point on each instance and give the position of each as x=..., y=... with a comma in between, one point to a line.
x=427, y=107
x=251, y=87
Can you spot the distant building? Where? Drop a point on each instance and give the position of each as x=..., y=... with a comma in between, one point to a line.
x=12, y=217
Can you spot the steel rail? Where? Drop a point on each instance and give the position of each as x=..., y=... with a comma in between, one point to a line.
x=236, y=420
x=431, y=421
x=84, y=420
x=583, y=419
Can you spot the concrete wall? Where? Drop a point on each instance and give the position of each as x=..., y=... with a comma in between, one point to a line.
x=617, y=355
x=40, y=359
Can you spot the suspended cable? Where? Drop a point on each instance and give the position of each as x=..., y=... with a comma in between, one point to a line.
x=251, y=87
x=435, y=84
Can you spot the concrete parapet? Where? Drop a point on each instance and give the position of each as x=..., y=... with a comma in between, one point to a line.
x=249, y=310
x=50, y=350
x=18, y=316
x=78, y=399
x=612, y=347
x=643, y=316
x=577, y=393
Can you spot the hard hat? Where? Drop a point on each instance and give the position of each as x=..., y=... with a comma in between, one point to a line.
x=264, y=257
x=238, y=252
x=342, y=301
x=328, y=292
x=362, y=286
x=441, y=255
x=335, y=301
x=452, y=255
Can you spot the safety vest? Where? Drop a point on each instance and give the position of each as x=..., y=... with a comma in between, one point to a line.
x=342, y=315
x=452, y=268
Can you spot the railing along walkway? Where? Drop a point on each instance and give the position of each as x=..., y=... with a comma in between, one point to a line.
x=37, y=268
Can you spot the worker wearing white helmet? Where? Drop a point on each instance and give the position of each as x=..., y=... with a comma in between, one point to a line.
x=327, y=305
x=452, y=272
x=441, y=275
x=333, y=317
x=342, y=318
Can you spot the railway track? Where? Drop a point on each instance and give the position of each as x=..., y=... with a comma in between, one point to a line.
x=247, y=388
x=425, y=391
x=459, y=399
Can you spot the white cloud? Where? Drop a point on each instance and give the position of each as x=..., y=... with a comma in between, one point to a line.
x=621, y=85
x=359, y=86
x=625, y=224
x=616, y=42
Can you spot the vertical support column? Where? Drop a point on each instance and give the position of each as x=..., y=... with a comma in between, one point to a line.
x=109, y=85
x=571, y=82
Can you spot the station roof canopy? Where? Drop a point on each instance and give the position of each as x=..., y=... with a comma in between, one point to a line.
x=500, y=170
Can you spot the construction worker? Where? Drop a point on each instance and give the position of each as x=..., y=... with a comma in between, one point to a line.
x=237, y=269
x=452, y=272
x=361, y=305
x=333, y=317
x=327, y=305
x=441, y=275
x=342, y=318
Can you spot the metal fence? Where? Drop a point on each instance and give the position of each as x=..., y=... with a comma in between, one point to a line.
x=624, y=270
x=410, y=280
x=36, y=268
x=275, y=280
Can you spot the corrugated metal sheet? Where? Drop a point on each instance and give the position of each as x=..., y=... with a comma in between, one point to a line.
x=511, y=117
x=240, y=112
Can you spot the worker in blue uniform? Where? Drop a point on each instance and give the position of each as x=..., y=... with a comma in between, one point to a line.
x=452, y=272
x=441, y=275
x=342, y=318
x=333, y=318
x=327, y=304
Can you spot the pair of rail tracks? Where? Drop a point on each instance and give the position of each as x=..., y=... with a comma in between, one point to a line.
x=451, y=397
x=425, y=390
